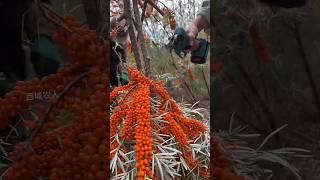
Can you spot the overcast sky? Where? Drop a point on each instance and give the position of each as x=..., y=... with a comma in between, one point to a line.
x=182, y=17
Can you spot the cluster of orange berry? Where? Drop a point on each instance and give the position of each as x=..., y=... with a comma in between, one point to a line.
x=181, y=127
x=77, y=148
x=220, y=164
x=16, y=100
x=143, y=132
x=170, y=15
x=131, y=117
x=83, y=46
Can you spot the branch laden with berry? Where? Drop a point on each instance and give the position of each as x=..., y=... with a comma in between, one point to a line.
x=152, y=137
x=68, y=132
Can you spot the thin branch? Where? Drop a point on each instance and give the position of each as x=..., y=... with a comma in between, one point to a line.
x=184, y=81
x=307, y=68
x=52, y=105
x=157, y=8
x=144, y=10
x=12, y=129
x=266, y=109
x=205, y=80
x=247, y=100
x=57, y=19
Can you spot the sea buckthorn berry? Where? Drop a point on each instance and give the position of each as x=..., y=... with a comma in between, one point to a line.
x=131, y=118
x=73, y=141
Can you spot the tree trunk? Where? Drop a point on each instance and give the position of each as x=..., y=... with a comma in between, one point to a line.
x=128, y=15
x=140, y=38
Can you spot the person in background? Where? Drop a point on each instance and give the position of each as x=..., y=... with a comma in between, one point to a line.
x=119, y=46
x=120, y=25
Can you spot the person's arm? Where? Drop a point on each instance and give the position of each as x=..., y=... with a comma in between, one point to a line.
x=201, y=22
x=197, y=25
